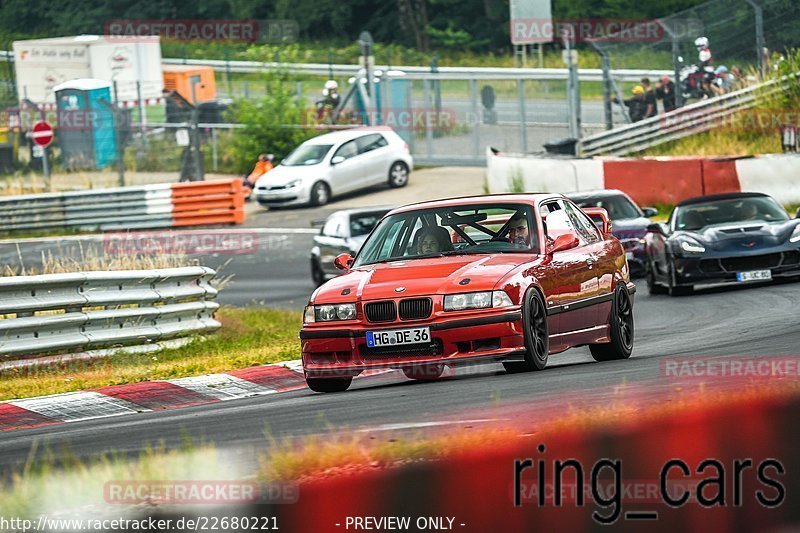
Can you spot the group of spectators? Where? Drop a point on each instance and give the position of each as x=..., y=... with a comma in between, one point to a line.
x=644, y=105
x=644, y=102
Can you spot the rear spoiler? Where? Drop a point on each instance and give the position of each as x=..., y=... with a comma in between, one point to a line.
x=600, y=218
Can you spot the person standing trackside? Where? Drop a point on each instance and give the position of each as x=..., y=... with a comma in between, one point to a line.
x=636, y=106
x=650, y=109
x=665, y=91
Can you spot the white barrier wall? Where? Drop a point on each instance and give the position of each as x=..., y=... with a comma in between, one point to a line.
x=777, y=175
x=542, y=174
x=657, y=178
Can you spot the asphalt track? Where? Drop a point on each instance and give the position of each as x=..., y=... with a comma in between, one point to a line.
x=754, y=321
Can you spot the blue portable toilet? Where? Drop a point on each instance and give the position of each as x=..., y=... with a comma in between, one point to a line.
x=86, y=131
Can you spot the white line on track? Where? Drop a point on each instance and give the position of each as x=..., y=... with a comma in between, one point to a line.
x=416, y=425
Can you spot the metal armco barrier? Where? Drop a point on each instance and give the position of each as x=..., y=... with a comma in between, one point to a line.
x=150, y=206
x=689, y=120
x=89, y=310
x=422, y=72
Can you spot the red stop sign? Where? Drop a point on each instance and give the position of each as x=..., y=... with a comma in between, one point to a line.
x=42, y=133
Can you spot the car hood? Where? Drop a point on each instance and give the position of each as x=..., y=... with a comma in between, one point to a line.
x=743, y=237
x=418, y=277
x=630, y=228
x=281, y=175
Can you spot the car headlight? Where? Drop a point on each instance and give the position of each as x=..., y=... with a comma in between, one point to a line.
x=795, y=236
x=476, y=300
x=692, y=247
x=330, y=312
x=293, y=184
x=308, y=315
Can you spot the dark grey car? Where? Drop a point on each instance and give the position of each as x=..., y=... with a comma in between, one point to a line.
x=342, y=232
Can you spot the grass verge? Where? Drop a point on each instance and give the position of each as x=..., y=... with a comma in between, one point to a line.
x=248, y=337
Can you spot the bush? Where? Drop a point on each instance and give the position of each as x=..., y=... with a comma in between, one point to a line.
x=274, y=123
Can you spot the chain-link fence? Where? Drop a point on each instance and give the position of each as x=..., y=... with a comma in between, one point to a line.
x=736, y=30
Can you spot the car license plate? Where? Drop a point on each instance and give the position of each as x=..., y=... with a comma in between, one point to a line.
x=754, y=275
x=395, y=337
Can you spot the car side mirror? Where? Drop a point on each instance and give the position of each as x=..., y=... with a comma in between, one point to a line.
x=600, y=218
x=658, y=228
x=797, y=215
x=337, y=159
x=563, y=242
x=649, y=211
x=343, y=262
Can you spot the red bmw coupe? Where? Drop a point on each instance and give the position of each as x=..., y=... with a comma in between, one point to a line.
x=506, y=278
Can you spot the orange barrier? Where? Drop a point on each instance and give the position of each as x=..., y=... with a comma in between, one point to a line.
x=208, y=202
x=477, y=489
x=655, y=181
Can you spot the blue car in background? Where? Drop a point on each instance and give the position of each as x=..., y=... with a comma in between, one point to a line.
x=628, y=222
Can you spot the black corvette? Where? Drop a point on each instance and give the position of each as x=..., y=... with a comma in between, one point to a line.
x=722, y=238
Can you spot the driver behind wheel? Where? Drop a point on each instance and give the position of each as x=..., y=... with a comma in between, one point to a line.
x=519, y=234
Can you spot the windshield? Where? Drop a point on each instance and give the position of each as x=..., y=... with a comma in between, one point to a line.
x=695, y=217
x=363, y=223
x=453, y=230
x=307, y=154
x=618, y=207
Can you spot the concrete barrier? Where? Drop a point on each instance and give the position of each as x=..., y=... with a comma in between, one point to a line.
x=657, y=180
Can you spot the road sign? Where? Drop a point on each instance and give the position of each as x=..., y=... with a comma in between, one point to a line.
x=42, y=133
x=531, y=21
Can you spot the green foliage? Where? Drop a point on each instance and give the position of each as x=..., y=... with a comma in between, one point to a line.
x=273, y=123
x=516, y=181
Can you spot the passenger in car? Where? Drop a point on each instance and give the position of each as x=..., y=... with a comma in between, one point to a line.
x=432, y=239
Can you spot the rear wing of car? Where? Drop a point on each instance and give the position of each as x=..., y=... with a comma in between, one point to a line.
x=600, y=218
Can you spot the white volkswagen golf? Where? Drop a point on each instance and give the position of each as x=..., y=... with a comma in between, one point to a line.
x=334, y=164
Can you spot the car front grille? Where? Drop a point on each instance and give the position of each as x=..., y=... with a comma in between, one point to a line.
x=415, y=308
x=755, y=262
x=740, y=264
x=432, y=348
x=380, y=311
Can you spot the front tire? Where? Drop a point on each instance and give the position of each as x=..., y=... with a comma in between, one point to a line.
x=675, y=289
x=320, y=194
x=398, y=175
x=537, y=339
x=652, y=286
x=621, y=344
x=329, y=384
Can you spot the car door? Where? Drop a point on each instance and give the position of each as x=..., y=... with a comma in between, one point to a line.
x=572, y=291
x=604, y=254
x=332, y=241
x=373, y=150
x=346, y=172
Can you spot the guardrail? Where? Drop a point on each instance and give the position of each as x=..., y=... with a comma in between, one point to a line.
x=150, y=206
x=688, y=120
x=90, y=310
x=420, y=73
